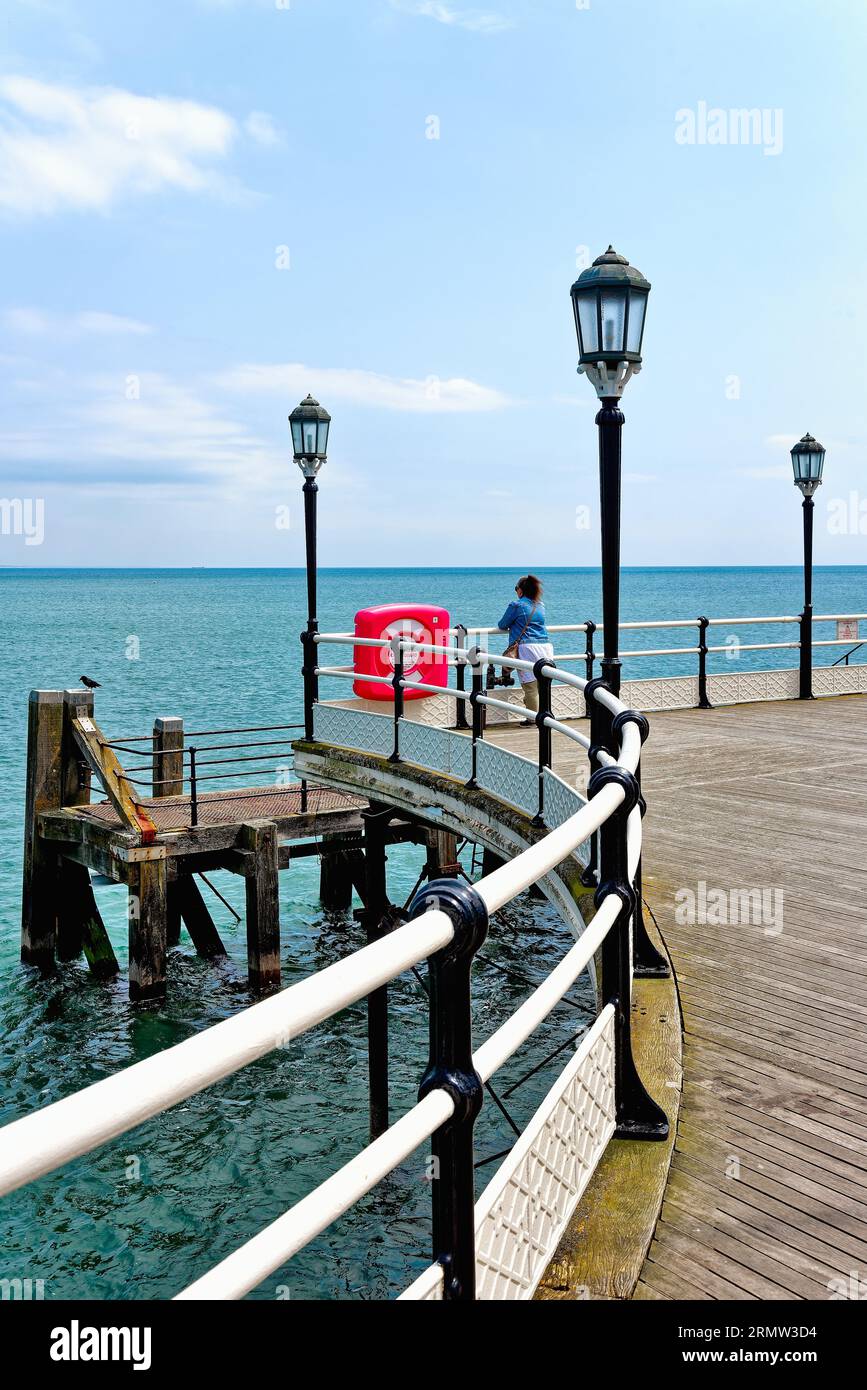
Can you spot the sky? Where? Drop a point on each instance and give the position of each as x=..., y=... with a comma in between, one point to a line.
x=209, y=208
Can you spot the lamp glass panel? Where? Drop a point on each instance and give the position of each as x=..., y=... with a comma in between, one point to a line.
x=613, y=320
x=637, y=307
x=323, y=436
x=297, y=437
x=816, y=461
x=587, y=322
x=309, y=437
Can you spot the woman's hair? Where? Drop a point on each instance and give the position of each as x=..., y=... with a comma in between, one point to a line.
x=531, y=587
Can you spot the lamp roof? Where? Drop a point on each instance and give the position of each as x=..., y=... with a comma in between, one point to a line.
x=610, y=269
x=309, y=409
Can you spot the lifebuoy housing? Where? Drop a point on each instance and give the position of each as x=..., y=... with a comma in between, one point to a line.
x=415, y=622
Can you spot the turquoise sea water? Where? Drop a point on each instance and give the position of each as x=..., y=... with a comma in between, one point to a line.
x=143, y=1216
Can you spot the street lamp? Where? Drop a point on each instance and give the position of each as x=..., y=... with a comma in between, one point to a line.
x=808, y=461
x=309, y=423
x=610, y=302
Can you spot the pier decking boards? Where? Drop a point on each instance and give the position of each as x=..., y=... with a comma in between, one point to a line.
x=767, y=1193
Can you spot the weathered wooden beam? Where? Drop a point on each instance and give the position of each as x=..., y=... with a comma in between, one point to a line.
x=263, y=906
x=186, y=899
x=39, y=909
x=442, y=854
x=103, y=761
x=335, y=877
x=82, y=927
x=168, y=761
x=147, y=928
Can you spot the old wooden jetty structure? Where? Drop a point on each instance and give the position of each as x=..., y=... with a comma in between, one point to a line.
x=716, y=1106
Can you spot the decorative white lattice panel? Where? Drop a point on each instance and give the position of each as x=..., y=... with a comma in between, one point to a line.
x=745, y=687
x=425, y=746
x=508, y=776
x=839, y=680
x=561, y=800
x=526, y=1206
x=566, y=701
x=461, y=756
x=665, y=692
x=352, y=728
x=427, y=1288
x=524, y=1210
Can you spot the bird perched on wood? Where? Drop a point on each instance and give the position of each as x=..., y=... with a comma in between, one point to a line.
x=91, y=685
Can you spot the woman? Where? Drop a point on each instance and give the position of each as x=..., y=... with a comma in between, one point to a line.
x=524, y=620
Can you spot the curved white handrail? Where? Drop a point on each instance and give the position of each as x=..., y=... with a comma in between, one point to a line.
x=42, y=1141
x=48, y=1138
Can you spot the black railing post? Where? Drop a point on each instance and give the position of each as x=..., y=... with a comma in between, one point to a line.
x=194, y=791
x=647, y=961
x=478, y=714
x=805, y=690
x=600, y=737
x=450, y=1068
x=397, y=685
x=637, y=1114
x=591, y=655
x=461, y=721
x=310, y=678
x=703, y=701
x=543, y=713
x=376, y=924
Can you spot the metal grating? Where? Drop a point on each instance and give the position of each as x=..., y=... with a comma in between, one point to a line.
x=230, y=808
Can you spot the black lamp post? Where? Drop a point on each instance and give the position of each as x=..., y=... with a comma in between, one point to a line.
x=610, y=303
x=808, y=461
x=610, y=300
x=309, y=423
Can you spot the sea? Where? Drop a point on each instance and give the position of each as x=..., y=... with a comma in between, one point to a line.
x=143, y=1216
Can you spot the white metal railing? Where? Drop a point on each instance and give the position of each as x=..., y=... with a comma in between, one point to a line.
x=46, y=1139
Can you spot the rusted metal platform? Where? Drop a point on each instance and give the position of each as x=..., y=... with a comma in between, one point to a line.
x=284, y=805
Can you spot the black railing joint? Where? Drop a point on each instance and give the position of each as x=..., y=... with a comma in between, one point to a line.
x=631, y=716
x=616, y=775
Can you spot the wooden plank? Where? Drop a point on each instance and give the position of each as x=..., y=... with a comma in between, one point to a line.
x=186, y=899
x=263, y=907
x=147, y=930
x=103, y=761
x=40, y=905
x=82, y=927
x=335, y=877
x=775, y=1063
x=168, y=757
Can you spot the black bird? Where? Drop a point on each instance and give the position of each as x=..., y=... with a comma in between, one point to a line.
x=91, y=685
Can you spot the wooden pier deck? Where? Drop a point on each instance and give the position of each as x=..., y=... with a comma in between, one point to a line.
x=767, y=1194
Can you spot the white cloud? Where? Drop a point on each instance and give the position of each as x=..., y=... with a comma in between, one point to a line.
x=261, y=128
x=777, y=470
x=168, y=432
x=477, y=21
x=83, y=148
x=36, y=322
x=432, y=395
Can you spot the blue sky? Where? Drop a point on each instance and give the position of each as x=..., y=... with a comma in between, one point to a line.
x=210, y=207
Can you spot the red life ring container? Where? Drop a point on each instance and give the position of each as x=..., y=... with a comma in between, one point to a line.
x=415, y=622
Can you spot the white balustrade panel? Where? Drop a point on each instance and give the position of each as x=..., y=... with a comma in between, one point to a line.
x=527, y=1205
x=507, y=776
x=353, y=728
x=438, y=750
